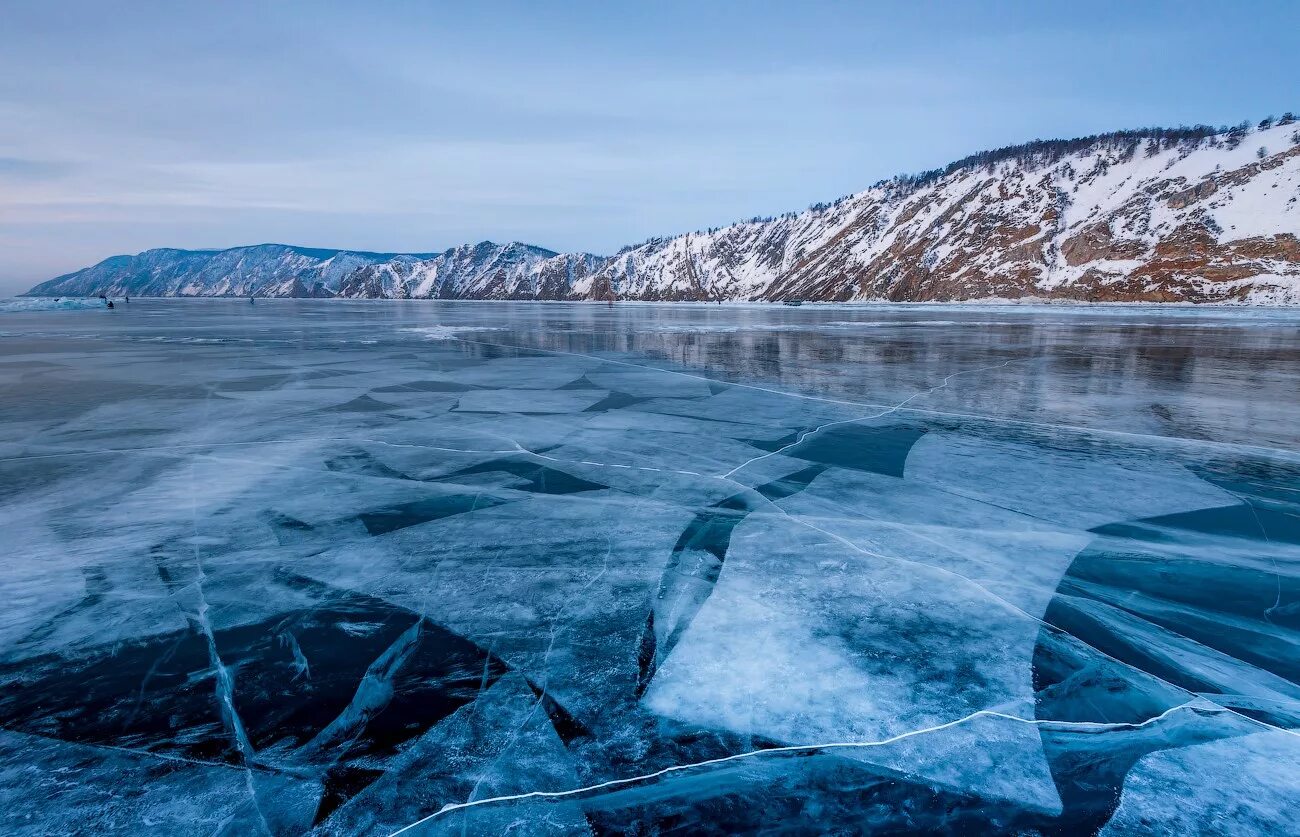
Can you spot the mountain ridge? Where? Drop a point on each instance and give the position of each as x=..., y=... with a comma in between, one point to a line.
x=1194, y=214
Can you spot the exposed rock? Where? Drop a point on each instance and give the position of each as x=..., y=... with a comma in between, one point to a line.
x=1096, y=242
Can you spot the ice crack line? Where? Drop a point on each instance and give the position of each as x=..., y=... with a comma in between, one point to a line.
x=1081, y=726
x=225, y=683
x=888, y=410
x=1277, y=571
x=557, y=628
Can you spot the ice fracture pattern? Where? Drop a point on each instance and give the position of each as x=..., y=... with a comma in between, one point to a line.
x=319, y=567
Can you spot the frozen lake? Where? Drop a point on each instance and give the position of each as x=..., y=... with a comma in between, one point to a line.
x=472, y=568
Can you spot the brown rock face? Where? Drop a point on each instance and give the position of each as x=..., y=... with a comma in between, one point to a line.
x=1186, y=197
x=1095, y=242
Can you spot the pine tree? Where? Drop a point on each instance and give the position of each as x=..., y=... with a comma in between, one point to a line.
x=1237, y=134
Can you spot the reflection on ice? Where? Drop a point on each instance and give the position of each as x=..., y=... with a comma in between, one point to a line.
x=360, y=568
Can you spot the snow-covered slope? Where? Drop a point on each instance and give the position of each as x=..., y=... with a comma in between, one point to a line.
x=262, y=269
x=472, y=271
x=1157, y=215
x=1120, y=217
x=475, y=271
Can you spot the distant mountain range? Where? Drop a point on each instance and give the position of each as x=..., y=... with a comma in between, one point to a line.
x=1162, y=215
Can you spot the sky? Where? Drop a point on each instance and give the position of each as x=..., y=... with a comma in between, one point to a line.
x=417, y=126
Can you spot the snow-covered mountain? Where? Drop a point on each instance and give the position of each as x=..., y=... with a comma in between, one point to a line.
x=475, y=271
x=1155, y=215
x=1176, y=215
x=264, y=269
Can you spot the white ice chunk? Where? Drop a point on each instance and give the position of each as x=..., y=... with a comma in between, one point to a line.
x=1017, y=557
x=806, y=641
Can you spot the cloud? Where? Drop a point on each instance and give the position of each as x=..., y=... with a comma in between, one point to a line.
x=22, y=168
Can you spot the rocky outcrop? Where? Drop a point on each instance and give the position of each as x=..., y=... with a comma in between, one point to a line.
x=1097, y=243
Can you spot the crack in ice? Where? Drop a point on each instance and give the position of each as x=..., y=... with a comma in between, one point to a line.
x=1082, y=726
x=807, y=434
x=225, y=684
x=556, y=630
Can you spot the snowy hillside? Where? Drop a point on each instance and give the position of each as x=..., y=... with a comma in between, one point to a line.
x=1120, y=218
x=1159, y=215
x=263, y=269
x=475, y=271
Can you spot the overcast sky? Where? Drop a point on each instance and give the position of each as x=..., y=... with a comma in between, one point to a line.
x=405, y=126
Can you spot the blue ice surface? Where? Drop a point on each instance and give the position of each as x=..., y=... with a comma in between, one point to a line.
x=437, y=567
